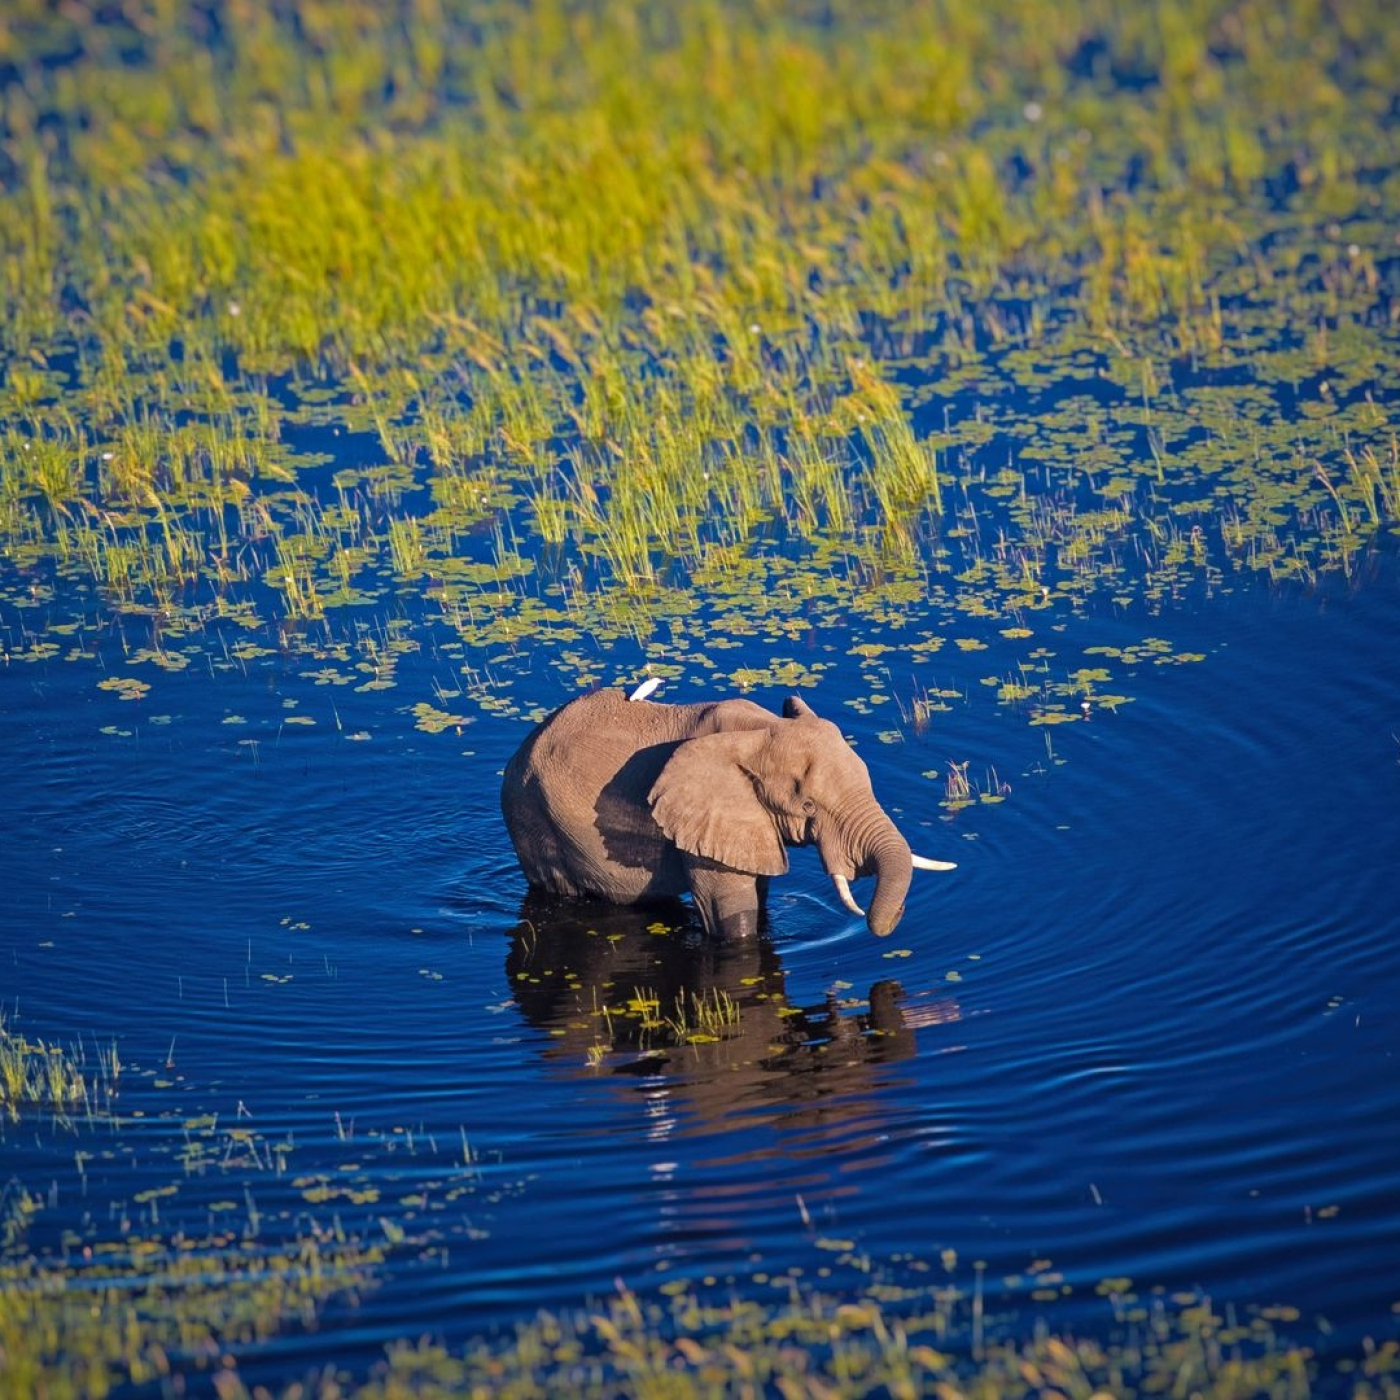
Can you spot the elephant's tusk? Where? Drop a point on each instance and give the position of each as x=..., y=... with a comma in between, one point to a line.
x=924, y=863
x=843, y=889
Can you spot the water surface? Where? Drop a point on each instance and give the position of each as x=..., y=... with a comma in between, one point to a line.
x=1146, y=1030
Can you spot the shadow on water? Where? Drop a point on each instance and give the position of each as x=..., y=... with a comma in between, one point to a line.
x=635, y=994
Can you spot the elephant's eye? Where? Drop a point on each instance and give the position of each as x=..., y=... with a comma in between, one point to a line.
x=808, y=806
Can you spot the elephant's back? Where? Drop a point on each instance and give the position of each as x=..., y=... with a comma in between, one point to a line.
x=589, y=738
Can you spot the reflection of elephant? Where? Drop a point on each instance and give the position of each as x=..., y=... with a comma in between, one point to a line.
x=633, y=801
x=610, y=992
x=785, y=1105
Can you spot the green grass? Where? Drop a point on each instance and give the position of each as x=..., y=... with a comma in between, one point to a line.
x=142, y=1321
x=919, y=1341
x=35, y=1076
x=145, y=1309
x=801, y=300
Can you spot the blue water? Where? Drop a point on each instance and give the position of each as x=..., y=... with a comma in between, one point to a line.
x=1147, y=1029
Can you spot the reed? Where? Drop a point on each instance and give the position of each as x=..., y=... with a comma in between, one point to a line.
x=647, y=293
x=39, y=1075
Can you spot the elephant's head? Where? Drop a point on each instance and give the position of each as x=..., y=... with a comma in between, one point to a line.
x=740, y=797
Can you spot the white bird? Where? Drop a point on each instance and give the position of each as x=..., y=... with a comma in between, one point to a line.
x=648, y=687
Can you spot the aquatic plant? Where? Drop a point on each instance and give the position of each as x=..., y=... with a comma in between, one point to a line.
x=146, y=1311
x=41, y=1075
x=889, y=1339
x=158, y=1286
x=899, y=313
x=703, y=1016
x=814, y=1343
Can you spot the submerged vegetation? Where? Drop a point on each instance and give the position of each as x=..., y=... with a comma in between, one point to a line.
x=648, y=323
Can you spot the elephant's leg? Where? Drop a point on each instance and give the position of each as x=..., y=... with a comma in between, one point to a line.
x=728, y=901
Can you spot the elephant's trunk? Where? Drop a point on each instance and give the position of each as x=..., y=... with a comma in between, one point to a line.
x=875, y=847
x=894, y=869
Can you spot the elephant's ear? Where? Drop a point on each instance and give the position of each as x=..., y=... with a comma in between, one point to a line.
x=704, y=800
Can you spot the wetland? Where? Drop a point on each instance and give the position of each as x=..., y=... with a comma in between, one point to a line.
x=1021, y=392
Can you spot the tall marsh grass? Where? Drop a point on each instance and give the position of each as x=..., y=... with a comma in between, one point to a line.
x=34, y=1074
x=678, y=279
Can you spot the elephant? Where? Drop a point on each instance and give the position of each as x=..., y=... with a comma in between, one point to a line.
x=634, y=801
